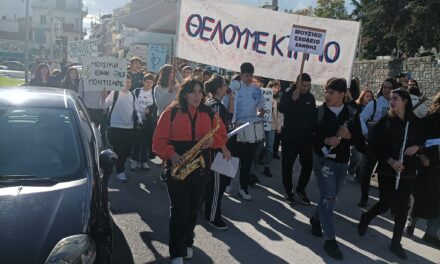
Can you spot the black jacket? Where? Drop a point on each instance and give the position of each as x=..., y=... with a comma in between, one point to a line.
x=427, y=186
x=219, y=108
x=299, y=118
x=387, y=143
x=51, y=82
x=328, y=127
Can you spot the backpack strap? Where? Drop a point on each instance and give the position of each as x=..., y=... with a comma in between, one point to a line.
x=137, y=91
x=374, y=109
x=351, y=111
x=115, y=98
x=320, y=115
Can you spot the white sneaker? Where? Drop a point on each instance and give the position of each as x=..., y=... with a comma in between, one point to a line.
x=121, y=177
x=228, y=189
x=145, y=166
x=134, y=165
x=245, y=195
x=177, y=260
x=189, y=253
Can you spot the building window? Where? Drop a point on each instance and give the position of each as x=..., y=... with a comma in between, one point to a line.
x=43, y=19
x=60, y=4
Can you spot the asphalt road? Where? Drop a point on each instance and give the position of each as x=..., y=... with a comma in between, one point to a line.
x=264, y=230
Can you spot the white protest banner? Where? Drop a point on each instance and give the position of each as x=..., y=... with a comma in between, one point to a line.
x=157, y=56
x=307, y=40
x=104, y=72
x=138, y=50
x=268, y=101
x=82, y=48
x=226, y=35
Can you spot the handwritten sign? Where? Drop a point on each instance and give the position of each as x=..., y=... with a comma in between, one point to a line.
x=268, y=102
x=137, y=50
x=82, y=48
x=157, y=56
x=307, y=40
x=210, y=33
x=104, y=72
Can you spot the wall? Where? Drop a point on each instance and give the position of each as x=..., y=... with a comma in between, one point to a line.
x=371, y=73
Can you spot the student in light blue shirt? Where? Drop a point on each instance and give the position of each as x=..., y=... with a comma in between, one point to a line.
x=249, y=102
x=248, y=107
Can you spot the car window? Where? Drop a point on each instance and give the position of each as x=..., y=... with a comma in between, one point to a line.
x=38, y=141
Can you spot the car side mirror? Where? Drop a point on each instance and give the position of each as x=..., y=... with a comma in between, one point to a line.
x=107, y=159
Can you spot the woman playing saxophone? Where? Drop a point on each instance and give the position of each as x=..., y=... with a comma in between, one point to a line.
x=176, y=140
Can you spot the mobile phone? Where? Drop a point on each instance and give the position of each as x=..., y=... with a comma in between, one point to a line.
x=229, y=90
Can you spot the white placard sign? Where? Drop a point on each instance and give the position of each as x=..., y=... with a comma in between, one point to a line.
x=104, y=72
x=268, y=102
x=226, y=35
x=157, y=56
x=138, y=50
x=82, y=48
x=307, y=40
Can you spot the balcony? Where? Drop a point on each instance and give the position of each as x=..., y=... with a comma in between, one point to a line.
x=68, y=27
x=40, y=4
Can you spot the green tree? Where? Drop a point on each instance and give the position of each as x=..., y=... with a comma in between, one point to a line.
x=331, y=9
x=308, y=11
x=397, y=24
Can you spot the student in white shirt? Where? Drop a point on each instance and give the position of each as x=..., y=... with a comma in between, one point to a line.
x=166, y=88
x=142, y=150
x=123, y=117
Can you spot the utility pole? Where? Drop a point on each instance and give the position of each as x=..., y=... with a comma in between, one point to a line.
x=26, y=46
x=275, y=5
x=52, y=37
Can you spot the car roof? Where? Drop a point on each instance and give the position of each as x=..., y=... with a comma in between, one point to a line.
x=37, y=97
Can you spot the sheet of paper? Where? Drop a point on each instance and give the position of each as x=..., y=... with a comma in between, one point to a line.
x=235, y=131
x=225, y=167
x=432, y=142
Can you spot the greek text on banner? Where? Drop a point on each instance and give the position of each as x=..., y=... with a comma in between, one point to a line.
x=307, y=40
x=210, y=33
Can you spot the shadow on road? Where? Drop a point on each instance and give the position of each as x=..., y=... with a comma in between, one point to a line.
x=256, y=228
x=121, y=249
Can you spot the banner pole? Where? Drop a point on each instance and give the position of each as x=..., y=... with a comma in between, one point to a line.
x=304, y=55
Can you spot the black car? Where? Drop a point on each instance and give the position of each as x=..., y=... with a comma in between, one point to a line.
x=53, y=180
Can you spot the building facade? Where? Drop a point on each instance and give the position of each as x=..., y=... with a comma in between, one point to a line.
x=55, y=23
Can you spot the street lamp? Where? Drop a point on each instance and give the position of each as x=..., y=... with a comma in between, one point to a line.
x=26, y=46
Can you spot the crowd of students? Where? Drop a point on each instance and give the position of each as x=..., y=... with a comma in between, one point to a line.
x=354, y=131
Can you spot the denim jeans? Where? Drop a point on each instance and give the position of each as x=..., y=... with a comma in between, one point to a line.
x=267, y=146
x=270, y=139
x=330, y=177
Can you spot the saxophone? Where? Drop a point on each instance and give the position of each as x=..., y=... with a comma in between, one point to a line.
x=192, y=159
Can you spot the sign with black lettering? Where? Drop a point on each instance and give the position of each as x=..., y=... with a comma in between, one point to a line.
x=104, y=73
x=307, y=40
x=268, y=102
x=82, y=48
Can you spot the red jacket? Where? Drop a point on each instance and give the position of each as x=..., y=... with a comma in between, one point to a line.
x=180, y=130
